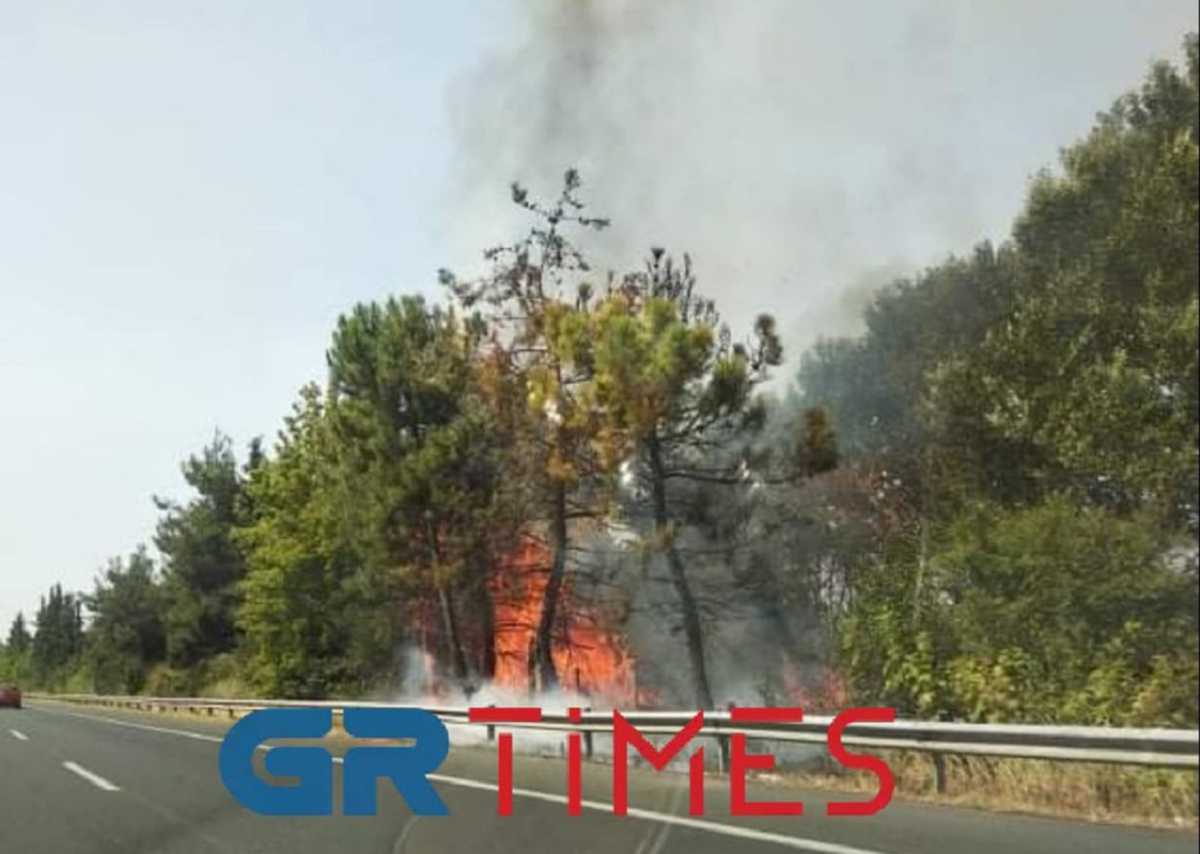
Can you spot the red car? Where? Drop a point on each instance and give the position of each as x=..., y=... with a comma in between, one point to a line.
x=10, y=695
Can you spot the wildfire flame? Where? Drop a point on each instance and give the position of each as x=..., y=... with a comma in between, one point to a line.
x=591, y=658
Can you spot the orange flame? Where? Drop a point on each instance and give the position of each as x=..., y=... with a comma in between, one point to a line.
x=591, y=658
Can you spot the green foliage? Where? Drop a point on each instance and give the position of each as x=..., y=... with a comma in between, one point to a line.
x=126, y=633
x=201, y=564
x=162, y=680
x=15, y=654
x=676, y=399
x=874, y=386
x=1053, y=613
x=1065, y=359
x=413, y=432
x=296, y=614
x=1094, y=364
x=58, y=640
x=19, y=639
x=1025, y=424
x=222, y=676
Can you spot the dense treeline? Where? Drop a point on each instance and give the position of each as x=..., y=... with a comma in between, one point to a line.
x=1028, y=417
x=984, y=507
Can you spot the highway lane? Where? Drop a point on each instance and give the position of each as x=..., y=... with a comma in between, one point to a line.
x=162, y=794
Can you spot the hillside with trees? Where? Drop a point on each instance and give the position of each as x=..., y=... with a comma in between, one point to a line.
x=984, y=507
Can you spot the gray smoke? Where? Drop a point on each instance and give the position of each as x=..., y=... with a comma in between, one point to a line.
x=715, y=129
x=740, y=132
x=805, y=154
x=796, y=149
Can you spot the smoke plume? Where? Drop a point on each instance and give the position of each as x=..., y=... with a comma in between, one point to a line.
x=740, y=132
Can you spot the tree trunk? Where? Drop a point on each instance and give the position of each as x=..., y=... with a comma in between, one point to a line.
x=692, y=628
x=458, y=659
x=923, y=547
x=454, y=646
x=542, y=675
x=487, y=618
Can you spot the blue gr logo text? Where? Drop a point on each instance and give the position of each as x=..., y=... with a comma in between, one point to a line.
x=406, y=767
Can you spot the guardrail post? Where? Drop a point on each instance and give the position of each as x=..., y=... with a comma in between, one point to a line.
x=939, y=773
x=588, y=747
x=723, y=748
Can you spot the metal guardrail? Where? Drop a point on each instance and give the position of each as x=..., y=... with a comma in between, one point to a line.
x=1164, y=748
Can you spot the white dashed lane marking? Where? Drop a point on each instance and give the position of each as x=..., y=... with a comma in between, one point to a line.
x=95, y=779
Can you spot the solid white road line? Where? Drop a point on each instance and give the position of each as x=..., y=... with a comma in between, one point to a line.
x=18, y=735
x=117, y=722
x=95, y=779
x=797, y=843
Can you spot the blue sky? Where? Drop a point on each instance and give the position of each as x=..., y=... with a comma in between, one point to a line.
x=191, y=193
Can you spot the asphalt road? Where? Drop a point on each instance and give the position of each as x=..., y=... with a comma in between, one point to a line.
x=76, y=781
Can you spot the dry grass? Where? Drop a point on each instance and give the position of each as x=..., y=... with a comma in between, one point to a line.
x=1095, y=792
